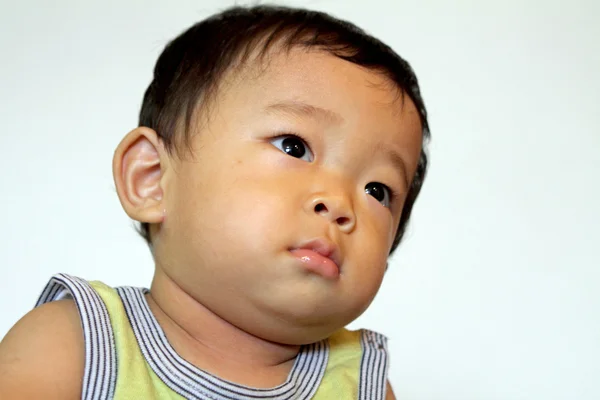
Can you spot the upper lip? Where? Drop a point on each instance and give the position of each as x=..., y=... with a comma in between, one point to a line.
x=324, y=247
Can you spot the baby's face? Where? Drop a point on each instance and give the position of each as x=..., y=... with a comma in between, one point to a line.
x=288, y=238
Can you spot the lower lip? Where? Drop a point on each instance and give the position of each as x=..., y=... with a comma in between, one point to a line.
x=315, y=262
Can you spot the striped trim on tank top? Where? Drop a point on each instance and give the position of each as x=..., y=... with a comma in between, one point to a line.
x=100, y=372
x=194, y=383
x=100, y=355
x=373, y=366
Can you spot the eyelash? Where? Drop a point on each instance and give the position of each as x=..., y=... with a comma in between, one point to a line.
x=296, y=135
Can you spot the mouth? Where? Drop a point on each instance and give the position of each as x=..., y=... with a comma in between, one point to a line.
x=319, y=256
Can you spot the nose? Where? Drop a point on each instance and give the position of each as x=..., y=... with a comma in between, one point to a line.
x=337, y=209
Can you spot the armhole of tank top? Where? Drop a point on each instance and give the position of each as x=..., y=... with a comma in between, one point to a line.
x=100, y=371
x=373, y=366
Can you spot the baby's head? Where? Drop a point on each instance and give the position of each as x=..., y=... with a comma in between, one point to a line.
x=278, y=158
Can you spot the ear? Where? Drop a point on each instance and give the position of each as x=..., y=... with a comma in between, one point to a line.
x=138, y=166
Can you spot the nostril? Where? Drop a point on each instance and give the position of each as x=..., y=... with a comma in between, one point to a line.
x=342, y=221
x=320, y=208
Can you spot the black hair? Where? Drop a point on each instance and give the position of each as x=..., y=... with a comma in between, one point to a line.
x=189, y=70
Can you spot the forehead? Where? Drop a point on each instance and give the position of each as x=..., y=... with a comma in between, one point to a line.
x=301, y=74
x=331, y=91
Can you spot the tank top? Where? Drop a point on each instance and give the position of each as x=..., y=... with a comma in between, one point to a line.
x=127, y=355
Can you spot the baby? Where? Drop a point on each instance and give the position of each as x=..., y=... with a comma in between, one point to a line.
x=278, y=156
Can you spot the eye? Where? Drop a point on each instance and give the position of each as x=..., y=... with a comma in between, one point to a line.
x=293, y=146
x=381, y=192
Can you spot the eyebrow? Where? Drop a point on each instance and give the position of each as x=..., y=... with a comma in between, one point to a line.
x=396, y=159
x=302, y=109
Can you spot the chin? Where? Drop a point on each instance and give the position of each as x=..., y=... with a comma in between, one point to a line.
x=300, y=328
x=298, y=335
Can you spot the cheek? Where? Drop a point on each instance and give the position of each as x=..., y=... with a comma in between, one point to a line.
x=365, y=285
x=380, y=224
x=371, y=255
x=241, y=205
x=370, y=271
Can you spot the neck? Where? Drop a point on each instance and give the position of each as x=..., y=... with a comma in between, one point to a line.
x=213, y=344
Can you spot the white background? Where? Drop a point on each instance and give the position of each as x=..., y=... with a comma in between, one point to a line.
x=494, y=294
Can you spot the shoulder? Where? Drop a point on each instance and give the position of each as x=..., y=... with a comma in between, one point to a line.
x=46, y=347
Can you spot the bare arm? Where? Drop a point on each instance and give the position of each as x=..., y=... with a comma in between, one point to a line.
x=389, y=392
x=42, y=356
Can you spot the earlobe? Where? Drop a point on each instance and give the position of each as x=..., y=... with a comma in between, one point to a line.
x=137, y=170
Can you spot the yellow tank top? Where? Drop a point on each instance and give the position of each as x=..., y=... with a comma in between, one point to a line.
x=127, y=355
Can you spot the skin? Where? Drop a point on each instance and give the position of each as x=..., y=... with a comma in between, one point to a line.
x=228, y=293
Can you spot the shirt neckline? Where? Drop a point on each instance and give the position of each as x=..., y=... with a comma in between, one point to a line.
x=194, y=383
